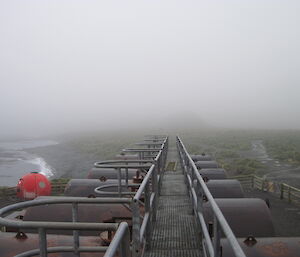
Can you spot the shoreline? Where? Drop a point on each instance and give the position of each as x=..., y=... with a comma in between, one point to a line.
x=65, y=160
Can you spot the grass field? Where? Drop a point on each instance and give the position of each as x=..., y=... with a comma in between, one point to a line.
x=233, y=148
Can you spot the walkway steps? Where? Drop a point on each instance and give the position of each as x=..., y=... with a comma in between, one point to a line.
x=175, y=232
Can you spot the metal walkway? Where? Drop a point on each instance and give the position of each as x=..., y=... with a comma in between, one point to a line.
x=175, y=231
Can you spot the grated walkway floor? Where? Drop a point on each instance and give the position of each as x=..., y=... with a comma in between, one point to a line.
x=175, y=232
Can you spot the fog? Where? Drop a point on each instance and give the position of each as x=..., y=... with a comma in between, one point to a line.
x=101, y=65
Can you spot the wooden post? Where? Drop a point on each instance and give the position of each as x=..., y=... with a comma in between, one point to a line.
x=281, y=191
x=289, y=194
x=262, y=185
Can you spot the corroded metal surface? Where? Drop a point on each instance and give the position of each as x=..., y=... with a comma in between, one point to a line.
x=216, y=173
x=225, y=188
x=86, y=187
x=107, y=173
x=246, y=216
x=201, y=157
x=86, y=213
x=11, y=244
x=266, y=247
x=206, y=164
x=127, y=156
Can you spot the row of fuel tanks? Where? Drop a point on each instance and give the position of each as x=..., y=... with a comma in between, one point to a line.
x=249, y=218
x=13, y=241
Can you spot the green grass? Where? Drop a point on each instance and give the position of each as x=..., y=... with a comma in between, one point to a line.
x=228, y=146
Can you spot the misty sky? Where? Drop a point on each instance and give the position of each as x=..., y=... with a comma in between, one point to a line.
x=80, y=64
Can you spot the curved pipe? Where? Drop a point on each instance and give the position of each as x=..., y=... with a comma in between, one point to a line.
x=119, y=164
x=59, y=225
x=99, y=190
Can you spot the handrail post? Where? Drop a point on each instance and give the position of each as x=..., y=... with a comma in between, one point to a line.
x=125, y=245
x=155, y=191
x=135, y=228
x=281, y=191
x=217, y=237
x=126, y=174
x=289, y=195
x=147, y=210
x=75, y=232
x=159, y=164
x=43, y=242
x=192, y=174
x=199, y=203
x=159, y=171
x=262, y=184
x=119, y=182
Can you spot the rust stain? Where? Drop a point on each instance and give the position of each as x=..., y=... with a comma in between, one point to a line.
x=277, y=249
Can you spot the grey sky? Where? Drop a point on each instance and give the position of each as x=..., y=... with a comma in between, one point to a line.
x=79, y=64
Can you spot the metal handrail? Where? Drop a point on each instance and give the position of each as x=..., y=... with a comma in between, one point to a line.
x=149, y=144
x=154, y=140
x=99, y=190
x=121, y=162
x=138, y=150
x=124, y=164
x=220, y=223
x=120, y=242
x=76, y=226
x=149, y=188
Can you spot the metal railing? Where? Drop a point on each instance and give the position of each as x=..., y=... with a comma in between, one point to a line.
x=145, y=198
x=198, y=189
x=42, y=226
x=283, y=190
x=148, y=190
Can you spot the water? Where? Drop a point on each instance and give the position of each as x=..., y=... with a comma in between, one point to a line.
x=15, y=161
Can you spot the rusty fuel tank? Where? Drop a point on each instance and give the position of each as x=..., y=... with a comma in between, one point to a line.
x=201, y=157
x=225, y=188
x=12, y=244
x=98, y=213
x=110, y=173
x=86, y=187
x=245, y=216
x=265, y=247
x=213, y=173
x=206, y=164
x=123, y=156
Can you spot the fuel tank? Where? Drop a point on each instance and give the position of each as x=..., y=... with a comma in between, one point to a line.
x=109, y=173
x=127, y=156
x=206, y=164
x=245, y=216
x=265, y=247
x=225, y=188
x=201, y=157
x=213, y=173
x=86, y=187
x=12, y=244
x=97, y=213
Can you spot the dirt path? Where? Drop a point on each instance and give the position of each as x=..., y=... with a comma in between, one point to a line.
x=274, y=170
